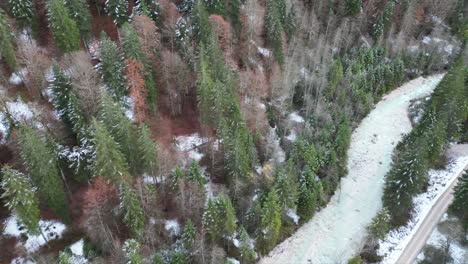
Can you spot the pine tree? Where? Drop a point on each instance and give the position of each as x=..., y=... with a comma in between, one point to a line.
x=335, y=77
x=195, y=174
x=134, y=216
x=42, y=166
x=177, y=176
x=65, y=257
x=7, y=51
x=380, y=225
x=307, y=198
x=233, y=12
x=64, y=29
x=247, y=252
x=22, y=11
x=206, y=92
x=178, y=257
x=271, y=221
x=353, y=7
x=131, y=249
x=230, y=223
x=211, y=220
x=147, y=151
x=274, y=28
x=149, y=8
x=112, y=68
x=158, y=259
x=21, y=199
x=460, y=202
x=215, y=7
x=130, y=43
x=201, y=23
x=188, y=237
x=109, y=162
x=117, y=9
x=79, y=12
x=286, y=188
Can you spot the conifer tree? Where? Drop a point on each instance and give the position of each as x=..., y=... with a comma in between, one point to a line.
x=246, y=247
x=230, y=223
x=7, y=51
x=274, y=26
x=22, y=11
x=42, y=166
x=334, y=78
x=211, y=220
x=79, y=12
x=188, y=237
x=215, y=7
x=21, y=199
x=118, y=10
x=178, y=257
x=286, y=188
x=109, y=162
x=271, y=221
x=201, y=23
x=131, y=249
x=131, y=43
x=195, y=174
x=147, y=150
x=112, y=68
x=460, y=202
x=149, y=8
x=233, y=12
x=353, y=7
x=176, y=177
x=65, y=257
x=134, y=216
x=307, y=198
x=380, y=225
x=64, y=30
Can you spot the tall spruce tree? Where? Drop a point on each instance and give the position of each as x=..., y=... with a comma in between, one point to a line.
x=21, y=199
x=247, y=252
x=274, y=27
x=7, y=50
x=112, y=68
x=109, y=162
x=65, y=257
x=79, y=12
x=118, y=10
x=149, y=8
x=130, y=43
x=131, y=249
x=147, y=150
x=22, y=11
x=230, y=223
x=307, y=197
x=134, y=216
x=353, y=7
x=211, y=220
x=188, y=237
x=271, y=221
x=460, y=202
x=42, y=166
x=64, y=29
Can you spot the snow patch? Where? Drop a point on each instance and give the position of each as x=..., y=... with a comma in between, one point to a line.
x=291, y=214
x=264, y=52
x=292, y=136
x=172, y=226
x=232, y=261
x=294, y=116
x=16, y=78
x=50, y=228
x=188, y=144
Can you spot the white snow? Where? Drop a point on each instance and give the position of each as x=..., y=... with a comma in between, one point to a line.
x=294, y=116
x=291, y=214
x=188, y=145
x=439, y=180
x=50, y=228
x=149, y=179
x=19, y=111
x=21, y=260
x=292, y=136
x=77, y=247
x=232, y=261
x=16, y=78
x=172, y=226
x=336, y=232
x=274, y=148
x=264, y=52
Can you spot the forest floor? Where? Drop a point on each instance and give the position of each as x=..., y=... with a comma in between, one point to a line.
x=337, y=232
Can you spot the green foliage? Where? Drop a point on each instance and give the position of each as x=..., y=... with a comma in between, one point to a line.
x=286, y=187
x=158, y=259
x=7, y=51
x=215, y=7
x=380, y=225
x=460, y=203
x=79, y=12
x=41, y=163
x=230, y=223
x=130, y=42
x=233, y=13
x=219, y=217
x=148, y=151
x=275, y=16
x=247, y=252
x=109, y=162
x=21, y=199
x=65, y=257
x=201, y=23
x=64, y=29
x=195, y=174
x=131, y=248
x=310, y=192
x=178, y=257
x=355, y=260
x=353, y=7
x=175, y=177
x=149, y=8
x=188, y=237
x=134, y=216
x=112, y=68
x=335, y=76
x=118, y=10
x=271, y=221
x=211, y=220
x=22, y=11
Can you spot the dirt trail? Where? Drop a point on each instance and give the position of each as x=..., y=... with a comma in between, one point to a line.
x=336, y=232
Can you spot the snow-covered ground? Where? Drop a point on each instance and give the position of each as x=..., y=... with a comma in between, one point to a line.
x=439, y=180
x=337, y=232
x=188, y=144
x=51, y=230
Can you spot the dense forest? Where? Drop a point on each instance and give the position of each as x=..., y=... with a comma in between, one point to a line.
x=208, y=131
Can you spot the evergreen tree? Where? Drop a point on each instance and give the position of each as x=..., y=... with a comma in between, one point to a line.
x=131, y=43
x=118, y=10
x=201, y=23
x=79, y=12
x=188, y=237
x=64, y=30
x=215, y=7
x=247, y=252
x=158, y=259
x=460, y=202
x=195, y=174
x=112, y=68
x=109, y=161
x=22, y=11
x=176, y=177
x=380, y=225
x=233, y=12
x=286, y=188
x=149, y=8
x=65, y=257
x=230, y=223
x=131, y=249
x=147, y=150
x=353, y=7
x=307, y=200
x=21, y=199
x=271, y=221
x=7, y=51
x=42, y=166
x=335, y=77
x=134, y=216
x=211, y=220
x=274, y=28
x=206, y=92
x=178, y=257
